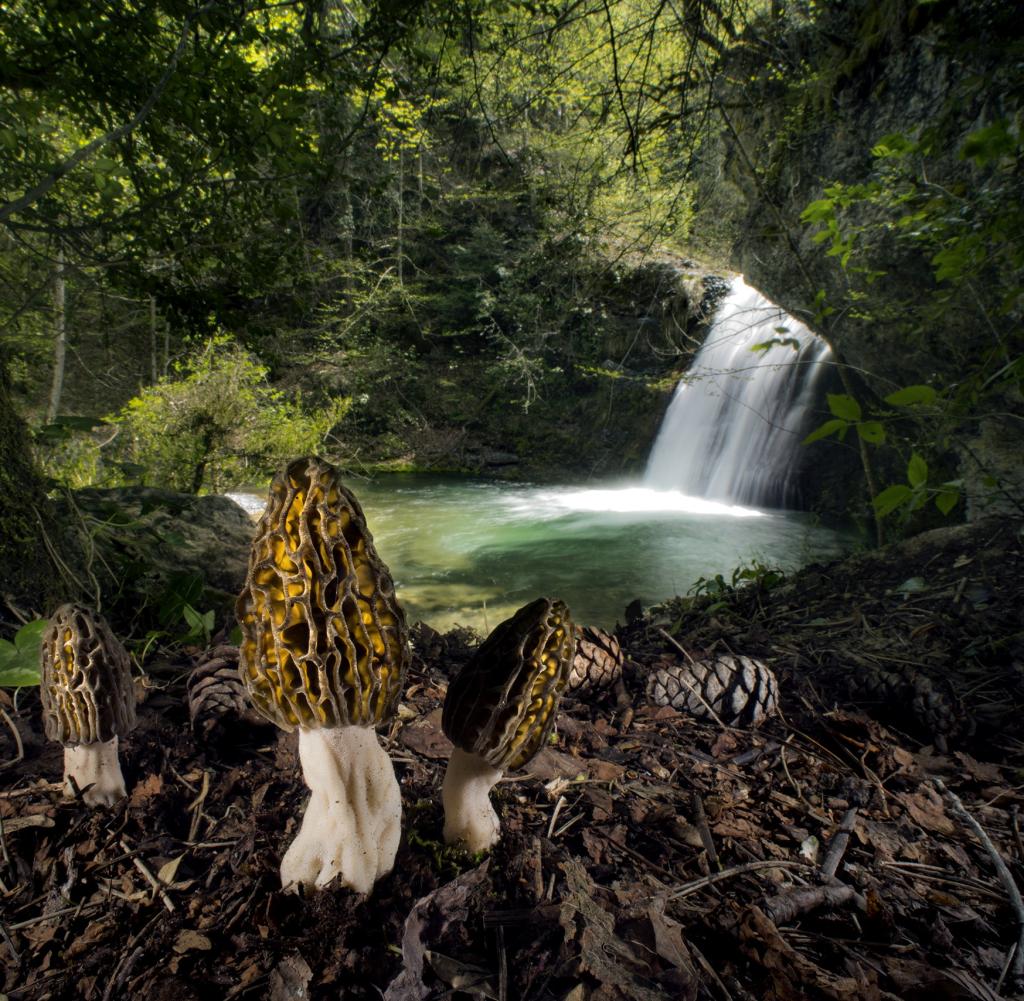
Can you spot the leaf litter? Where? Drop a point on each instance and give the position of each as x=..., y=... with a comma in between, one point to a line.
x=645, y=855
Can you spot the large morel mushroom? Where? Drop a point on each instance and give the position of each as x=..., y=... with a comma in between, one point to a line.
x=88, y=701
x=325, y=649
x=499, y=711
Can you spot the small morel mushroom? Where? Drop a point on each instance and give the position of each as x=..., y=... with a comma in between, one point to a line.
x=325, y=649
x=740, y=691
x=598, y=662
x=88, y=701
x=498, y=712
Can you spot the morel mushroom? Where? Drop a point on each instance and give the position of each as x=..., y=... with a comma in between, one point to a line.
x=498, y=712
x=739, y=691
x=88, y=701
x=325, y=649
x=598, y=661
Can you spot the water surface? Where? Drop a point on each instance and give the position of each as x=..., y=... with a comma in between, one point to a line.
x=472, y=551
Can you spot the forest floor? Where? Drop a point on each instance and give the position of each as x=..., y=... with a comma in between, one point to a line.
x=645, y=854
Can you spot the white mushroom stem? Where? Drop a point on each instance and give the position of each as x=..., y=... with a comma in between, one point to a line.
x=353, y=821
x=95, y=771
x=468, y=814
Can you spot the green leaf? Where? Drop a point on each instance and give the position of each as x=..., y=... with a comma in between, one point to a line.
x=872, y=432
x=818, y=210
x=988, y=143
x=917, y=471
x=891, y=498
x=912, y=396
x=19, y=661
x=947, y=499
x=17, y=677
x=948, y=496
x=844, y=406
x=29, y=637
x=893, y=144
x=829, y=427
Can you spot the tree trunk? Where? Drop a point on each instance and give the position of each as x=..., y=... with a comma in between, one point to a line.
x=59, y=339
x=29, y=580
x=401, y=205
x=154, y=366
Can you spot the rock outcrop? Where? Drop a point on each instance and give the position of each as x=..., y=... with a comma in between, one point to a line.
x=805, y=102
x=150, y=551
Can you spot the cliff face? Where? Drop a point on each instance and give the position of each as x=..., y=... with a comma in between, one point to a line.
x=804, y=103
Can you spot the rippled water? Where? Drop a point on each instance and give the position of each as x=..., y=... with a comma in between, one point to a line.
x=472, y=551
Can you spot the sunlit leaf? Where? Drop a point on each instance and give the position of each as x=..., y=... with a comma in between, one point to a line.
x=891, y=498
x=843, y=406
x=826, y=429
x=872, y=432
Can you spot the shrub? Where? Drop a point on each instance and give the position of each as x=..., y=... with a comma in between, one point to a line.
x=217, y=423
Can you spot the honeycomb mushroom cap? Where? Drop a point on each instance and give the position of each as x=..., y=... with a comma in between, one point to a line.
x=501, y=707
x=324, y=640
x=85, y=683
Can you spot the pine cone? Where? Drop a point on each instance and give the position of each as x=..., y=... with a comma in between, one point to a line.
x=215, y=688
x=598, y=662
x=741, y=691
x=910, y=699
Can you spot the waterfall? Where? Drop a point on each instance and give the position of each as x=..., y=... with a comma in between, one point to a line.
x=733, y=429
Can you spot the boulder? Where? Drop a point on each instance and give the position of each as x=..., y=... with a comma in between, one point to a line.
x=153, y=551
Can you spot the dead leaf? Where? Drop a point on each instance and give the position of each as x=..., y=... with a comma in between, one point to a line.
x=149, y=787
x=605, y=771
x=551, y=764
x=669, y=944
x=289, y=980
x=429, y=918
x=985, y=772
x=602, y=953
x=465, y=977
x=168, y=870
x=595, y=845
x=789, y=969
x=188, y=939
x=94, y=932
x=426, y=737
x=921, y=982
x=725, y=745
x=601, y=801
x=927, y=811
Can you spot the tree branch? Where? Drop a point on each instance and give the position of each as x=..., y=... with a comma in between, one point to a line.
x=34, y=194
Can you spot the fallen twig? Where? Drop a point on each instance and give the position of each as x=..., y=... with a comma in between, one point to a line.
x=19, y=747
x=30, y=790
x=704, y=831
x=1012, y=891
x=149, y=877
x=838, y=847
x=783, y=907
x=738, y=870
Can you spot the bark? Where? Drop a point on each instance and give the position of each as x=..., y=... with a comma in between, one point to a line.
x=59, y=339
